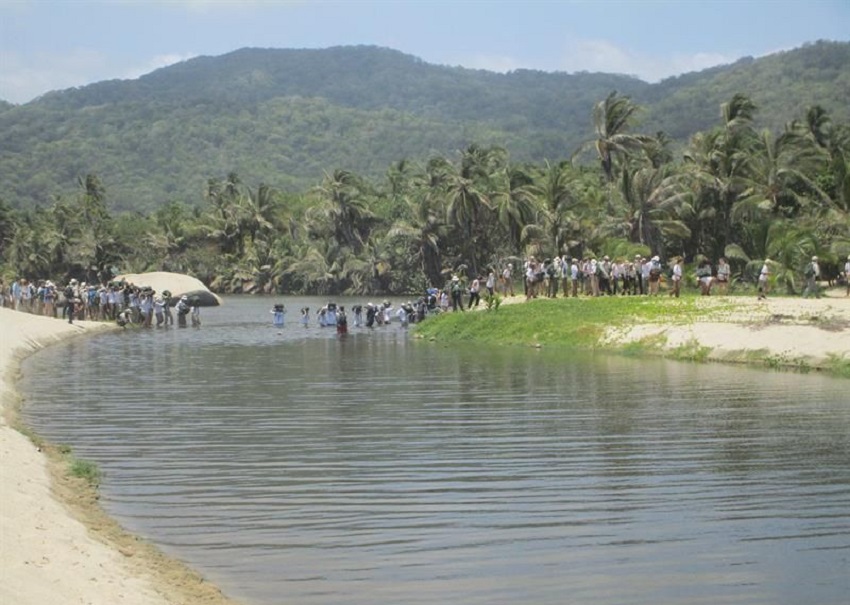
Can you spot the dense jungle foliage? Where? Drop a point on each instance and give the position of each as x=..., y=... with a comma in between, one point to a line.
x=285, y=117
x=737, y=190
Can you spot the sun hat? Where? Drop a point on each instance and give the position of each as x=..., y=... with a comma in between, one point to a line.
x=814, y=258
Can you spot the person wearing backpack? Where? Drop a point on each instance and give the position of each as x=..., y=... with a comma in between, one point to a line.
x=457, y=293
x=654, y=275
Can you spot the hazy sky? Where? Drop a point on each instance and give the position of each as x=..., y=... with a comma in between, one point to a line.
x=54, y=44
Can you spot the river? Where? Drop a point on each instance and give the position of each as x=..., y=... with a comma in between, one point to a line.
x=294, y=466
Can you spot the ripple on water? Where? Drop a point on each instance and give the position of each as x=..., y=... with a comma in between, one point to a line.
x=294, y=466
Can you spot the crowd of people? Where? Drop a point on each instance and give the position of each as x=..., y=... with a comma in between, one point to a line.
x=122, y=302
x=127, y=303
x=641, y=276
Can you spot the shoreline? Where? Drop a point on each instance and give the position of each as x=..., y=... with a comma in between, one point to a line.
x=780, y=332
x=59, y=546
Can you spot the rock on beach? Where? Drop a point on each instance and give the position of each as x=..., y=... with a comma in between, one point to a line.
x=176, y=283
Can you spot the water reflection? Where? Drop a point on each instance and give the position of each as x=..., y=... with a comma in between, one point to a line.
x=294, y=466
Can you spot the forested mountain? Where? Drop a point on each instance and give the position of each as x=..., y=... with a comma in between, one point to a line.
x=287, y=117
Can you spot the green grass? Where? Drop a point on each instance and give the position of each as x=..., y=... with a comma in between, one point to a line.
x=83, y=469
x=690, y=351
x=839, y=366
x=561, y=322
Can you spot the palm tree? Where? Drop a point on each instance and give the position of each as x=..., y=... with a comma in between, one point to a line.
x=559, y=202
x=612, y=117
x=650, y=211
x=343, y=209
x=778, y=178
x=514, y=203
x=423, y=230
x=716, y=165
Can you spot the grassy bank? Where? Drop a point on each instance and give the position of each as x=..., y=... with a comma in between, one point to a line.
x=564, y=322
x=782, y=333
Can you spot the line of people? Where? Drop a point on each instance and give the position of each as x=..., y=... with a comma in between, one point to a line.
x=122, y=302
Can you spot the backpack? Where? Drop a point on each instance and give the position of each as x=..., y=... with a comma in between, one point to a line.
x=809, y=271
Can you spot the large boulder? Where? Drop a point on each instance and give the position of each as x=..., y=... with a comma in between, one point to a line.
x=177, y=283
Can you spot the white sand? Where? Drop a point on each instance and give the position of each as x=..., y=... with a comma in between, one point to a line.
x=790, y=331
x=47, y=556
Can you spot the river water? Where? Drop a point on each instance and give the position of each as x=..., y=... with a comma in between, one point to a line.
x=294, y=466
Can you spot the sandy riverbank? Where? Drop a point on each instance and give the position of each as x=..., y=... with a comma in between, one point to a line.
x=793, y=332
x=56, y=544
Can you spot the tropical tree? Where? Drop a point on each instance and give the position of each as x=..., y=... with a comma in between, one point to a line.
x=514, y=203
x=558, y=204
x=779, y=177
x=649, y=213
x=343, y=209
x=423, y=231
x=612, y=118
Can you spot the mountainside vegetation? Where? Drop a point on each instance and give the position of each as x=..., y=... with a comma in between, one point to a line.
x=737, y=188
x=287, y=117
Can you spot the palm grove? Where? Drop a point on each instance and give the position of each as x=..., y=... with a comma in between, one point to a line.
x=734, y=191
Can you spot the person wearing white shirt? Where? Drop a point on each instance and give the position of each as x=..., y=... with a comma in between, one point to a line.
x=677, y=277
x=764, y=275
x=812, y=274
x=574, y=277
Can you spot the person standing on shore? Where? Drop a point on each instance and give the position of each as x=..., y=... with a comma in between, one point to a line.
x=474, y=293
x=847, y=275
x=69, y=294
x=491, y=283
x=507, y=280
x=457, y=297
x=723, y=274
x=764, y=275
x=654, y=275
x=677, y=277
x=812, y=273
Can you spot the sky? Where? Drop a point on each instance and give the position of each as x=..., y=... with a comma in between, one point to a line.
x=56, y=44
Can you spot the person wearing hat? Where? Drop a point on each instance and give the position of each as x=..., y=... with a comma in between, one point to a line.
x=49, y=298
x=847, y=275
x=654, y=275
x=166, y=307
x=456, y=291
x=507, y=280
x=812, y=273
x=644, y=266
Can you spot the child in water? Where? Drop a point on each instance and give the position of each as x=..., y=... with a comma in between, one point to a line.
x=279, y=311
x=305, y=316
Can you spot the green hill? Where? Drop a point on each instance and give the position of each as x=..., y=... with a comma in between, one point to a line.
x=283, y=117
